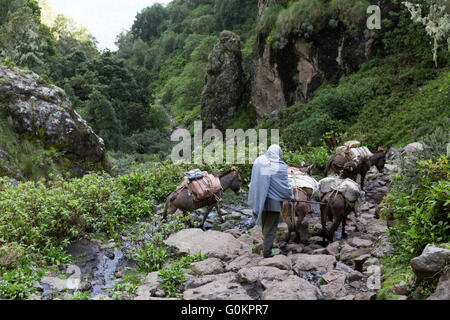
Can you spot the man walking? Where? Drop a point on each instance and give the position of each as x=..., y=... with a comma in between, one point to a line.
x=269, y=187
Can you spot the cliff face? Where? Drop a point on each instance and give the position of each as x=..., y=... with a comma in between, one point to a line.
x=224, y=82
x=290, y=73
x=38, y=111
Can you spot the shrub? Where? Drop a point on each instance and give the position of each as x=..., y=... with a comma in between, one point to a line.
x=419, y=198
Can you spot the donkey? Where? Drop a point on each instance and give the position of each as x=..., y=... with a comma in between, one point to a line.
x=336, y=208
x=347, y=167
x=297, y=211
x=183, y=199
x=294, y=213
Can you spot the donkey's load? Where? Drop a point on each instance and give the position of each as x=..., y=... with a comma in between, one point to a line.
x=363, y=153
x=299, y=180
x=347, y=187
x=205, y=187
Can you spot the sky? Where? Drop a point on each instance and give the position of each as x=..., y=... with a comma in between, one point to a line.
x=105, y=19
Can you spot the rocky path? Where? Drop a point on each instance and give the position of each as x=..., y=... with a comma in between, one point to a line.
x=347, y=269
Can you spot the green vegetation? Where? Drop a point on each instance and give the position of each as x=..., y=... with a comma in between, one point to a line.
x=418, y=201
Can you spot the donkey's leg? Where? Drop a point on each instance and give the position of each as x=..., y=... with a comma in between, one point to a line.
x=208, y=210
x=219, y=212
x=363, y=177
x=344, y=221
x=323, y=219
x=169, y=208
x=336, y=222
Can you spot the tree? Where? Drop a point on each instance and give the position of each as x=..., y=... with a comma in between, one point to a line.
x=102, y=117
x=148, y=21
x=21, y=38
x=436, y=22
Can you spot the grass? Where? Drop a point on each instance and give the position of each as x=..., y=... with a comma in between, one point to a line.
x=396, y=270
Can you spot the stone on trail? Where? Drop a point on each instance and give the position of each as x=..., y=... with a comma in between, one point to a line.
x=222, y=287
x=249, y=260
x=335, y=287
x=319, y=262
x=212, y=243
x=333, y=248
x=293, y=288
x=208, y=266
x=279, y=261
x=266, y=275
x=360, y=243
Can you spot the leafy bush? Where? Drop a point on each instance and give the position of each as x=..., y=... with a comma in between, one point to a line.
x=419, y=198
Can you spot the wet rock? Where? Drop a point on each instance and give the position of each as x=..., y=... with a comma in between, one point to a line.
x=279, y=261
x=208, y=266
x=432, y=260
x=212, y=243
x=319, y=262
x=293, y=288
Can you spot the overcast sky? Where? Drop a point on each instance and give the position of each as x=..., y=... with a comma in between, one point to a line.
x=104, y=18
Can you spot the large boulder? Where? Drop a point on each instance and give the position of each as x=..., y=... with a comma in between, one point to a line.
x=43, y=111
x=432, y=261
x=214, y=244
x=224, y=82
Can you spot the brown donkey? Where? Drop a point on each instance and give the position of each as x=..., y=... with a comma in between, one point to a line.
x=346, y=167
x=183, y=199
x=336, y=209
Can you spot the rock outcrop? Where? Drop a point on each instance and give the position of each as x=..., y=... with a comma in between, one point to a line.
x=291, y=71
x=224, y=86
x=41, y=111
